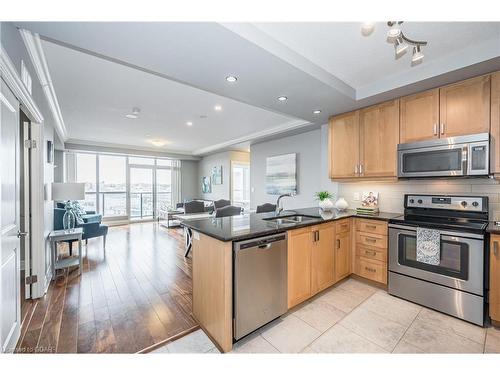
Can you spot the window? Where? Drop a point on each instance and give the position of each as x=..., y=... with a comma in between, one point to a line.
x=127, y=186
x=240, y=184
x=86, y=173
x=112, y=185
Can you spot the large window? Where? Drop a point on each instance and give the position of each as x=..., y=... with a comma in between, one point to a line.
x=119, y=186
x=86, y=173
x=112, y=185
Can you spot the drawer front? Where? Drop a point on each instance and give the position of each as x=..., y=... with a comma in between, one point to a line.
x=371, y=240
x=371, y=226
x=372, y=253
x=343, y=226
x=371, y=269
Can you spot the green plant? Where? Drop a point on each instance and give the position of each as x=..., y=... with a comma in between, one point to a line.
x=322, y=195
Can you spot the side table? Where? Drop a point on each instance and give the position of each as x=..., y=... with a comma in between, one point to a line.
x=65, y=235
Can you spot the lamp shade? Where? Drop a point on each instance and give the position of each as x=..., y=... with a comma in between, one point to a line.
x=68, y=191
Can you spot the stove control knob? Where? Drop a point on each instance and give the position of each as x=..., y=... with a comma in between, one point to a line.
x=419, y=201
x=412, y=200
x=475, y=204
x=464, y=204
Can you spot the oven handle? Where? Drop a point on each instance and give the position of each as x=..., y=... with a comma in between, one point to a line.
x=443, y=232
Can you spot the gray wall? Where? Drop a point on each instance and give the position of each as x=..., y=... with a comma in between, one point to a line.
x=222, y=158
x=189, y=180
x=312, y=167
x=14, y=46
x=59, y=165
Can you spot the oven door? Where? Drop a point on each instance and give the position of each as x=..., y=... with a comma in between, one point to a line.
x=461, y=263
x=449, y=160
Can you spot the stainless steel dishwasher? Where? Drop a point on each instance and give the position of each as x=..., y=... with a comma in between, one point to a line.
x=260, y=282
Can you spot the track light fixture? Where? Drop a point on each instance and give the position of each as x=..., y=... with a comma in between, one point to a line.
x=401, y=42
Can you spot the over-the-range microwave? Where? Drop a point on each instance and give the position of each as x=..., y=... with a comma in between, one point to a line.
x=446, y=157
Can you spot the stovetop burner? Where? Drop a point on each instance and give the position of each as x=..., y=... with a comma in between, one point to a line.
x=458, y=213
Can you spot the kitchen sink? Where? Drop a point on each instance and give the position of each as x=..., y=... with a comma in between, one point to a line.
x=293, y=219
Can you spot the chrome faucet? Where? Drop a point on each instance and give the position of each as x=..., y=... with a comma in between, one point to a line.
x=278, y=207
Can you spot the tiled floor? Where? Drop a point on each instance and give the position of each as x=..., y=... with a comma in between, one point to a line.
x=354, y=317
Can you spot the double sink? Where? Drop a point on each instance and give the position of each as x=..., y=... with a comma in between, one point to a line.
x=292, y=219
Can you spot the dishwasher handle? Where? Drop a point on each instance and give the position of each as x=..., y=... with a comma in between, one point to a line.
x=264, y=247
x=261, y=243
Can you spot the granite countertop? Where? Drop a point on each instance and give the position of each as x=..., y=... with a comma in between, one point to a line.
x=492, y=228
x=242, y=227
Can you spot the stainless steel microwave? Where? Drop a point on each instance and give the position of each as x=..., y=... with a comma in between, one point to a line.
x=446, y=157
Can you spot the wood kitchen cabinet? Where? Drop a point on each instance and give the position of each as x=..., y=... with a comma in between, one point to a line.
x=379, y=138
x=322, y=257
x=495, y=124
x=343, y=249
x=299, y=265
x=311, y=261
x=419, y=116
x=344, y=145
x=464, y=107
x=494, y=297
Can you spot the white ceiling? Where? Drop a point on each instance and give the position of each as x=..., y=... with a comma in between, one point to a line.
x=101, y=70
x=95, y=94
x=341, y=49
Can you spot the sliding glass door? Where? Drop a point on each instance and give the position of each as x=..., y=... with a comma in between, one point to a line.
x=141, y=192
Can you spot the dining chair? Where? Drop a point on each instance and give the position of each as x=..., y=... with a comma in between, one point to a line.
x=221, y=203
x=228, y=211
x=266, y=207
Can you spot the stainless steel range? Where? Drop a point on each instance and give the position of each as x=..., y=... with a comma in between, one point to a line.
x=456, y=284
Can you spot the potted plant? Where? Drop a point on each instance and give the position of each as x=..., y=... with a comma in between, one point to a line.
x=325, y=200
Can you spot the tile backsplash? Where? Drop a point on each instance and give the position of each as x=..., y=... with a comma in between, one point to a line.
x=391, y=194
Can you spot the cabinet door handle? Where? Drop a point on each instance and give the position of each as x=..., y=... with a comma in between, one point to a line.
x=317, y=233
x=370, y=269
x=371, y=226
x=356, y=169
x=495, y=248
x=361, y=169
x=435, y=129
x=442, y=128
x=369, y=239
x=338, y=244
x=373, y=253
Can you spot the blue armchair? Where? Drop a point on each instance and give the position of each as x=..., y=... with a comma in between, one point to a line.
x=92, y=226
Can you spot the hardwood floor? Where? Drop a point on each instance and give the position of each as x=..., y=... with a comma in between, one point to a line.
x=138, y=295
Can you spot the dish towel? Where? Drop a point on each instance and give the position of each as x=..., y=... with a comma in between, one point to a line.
x=428, y=246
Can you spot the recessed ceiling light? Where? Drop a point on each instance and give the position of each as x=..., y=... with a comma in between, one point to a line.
x=218, y=108
x=231, y=79
x=158, y=142
x=317, y=111
x=189, y=123
x=282, y=98
x=134, y=114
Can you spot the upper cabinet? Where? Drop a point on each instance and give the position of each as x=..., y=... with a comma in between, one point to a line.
x=464, y=107
x=419, y=117
x=364, y=143
x=344, y=145
x=379, y=138
x=495, y=124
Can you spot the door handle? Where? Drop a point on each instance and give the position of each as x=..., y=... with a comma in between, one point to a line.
x=442, y=128
x=495, y=248
x=21, y=234
x=435, y=129
x=356, y=169
x=370, y=239
x=338, y=244
x=361, y=169
x=265, y=247
x=317, y=235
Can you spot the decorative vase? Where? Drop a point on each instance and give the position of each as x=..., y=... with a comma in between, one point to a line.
x=326, y=204
x=341, y=204
x=69, y=218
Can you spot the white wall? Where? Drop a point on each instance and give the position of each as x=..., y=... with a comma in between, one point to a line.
x=189, y=180
x=205, y=165
x=312, y=168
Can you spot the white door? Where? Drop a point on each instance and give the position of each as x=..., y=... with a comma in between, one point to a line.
x=25, y=206
x=10, y=274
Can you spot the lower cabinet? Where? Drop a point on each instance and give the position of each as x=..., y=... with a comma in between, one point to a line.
x=321, y=255
x=371, y=250
x=494, y=296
